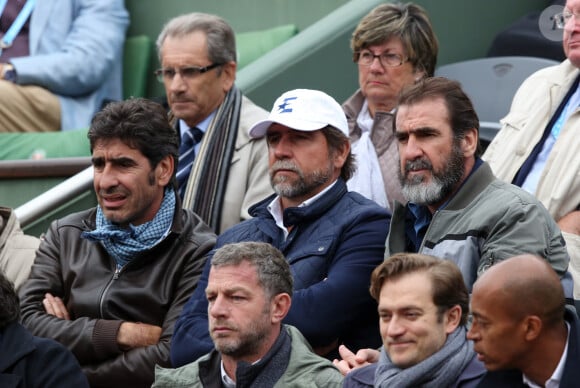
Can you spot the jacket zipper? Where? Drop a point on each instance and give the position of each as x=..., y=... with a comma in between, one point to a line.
x=422, y=245
x=109, y=284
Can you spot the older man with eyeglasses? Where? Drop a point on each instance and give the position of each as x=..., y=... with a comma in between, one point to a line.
x=221, y=171
x=538, y=144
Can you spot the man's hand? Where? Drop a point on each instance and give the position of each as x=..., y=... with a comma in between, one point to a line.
x=135, y=335
x=570, y=223
x=351, y=361
x=55, y=306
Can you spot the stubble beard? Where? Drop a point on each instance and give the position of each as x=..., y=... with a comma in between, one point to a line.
x=248, y=342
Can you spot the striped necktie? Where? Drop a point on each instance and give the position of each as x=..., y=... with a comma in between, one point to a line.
x=186, y=156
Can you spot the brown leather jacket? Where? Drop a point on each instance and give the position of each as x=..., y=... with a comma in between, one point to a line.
x=151, y=289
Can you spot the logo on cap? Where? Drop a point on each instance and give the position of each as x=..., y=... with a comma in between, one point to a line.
x=285, y=106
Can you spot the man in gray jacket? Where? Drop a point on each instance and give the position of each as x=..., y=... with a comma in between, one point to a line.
x=249, y=293
x=457, y=209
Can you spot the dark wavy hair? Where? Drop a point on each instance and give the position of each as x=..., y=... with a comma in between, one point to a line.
x=460, y=110
x=141, y=124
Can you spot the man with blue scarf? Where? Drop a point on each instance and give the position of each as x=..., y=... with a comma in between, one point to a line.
x=110, y=282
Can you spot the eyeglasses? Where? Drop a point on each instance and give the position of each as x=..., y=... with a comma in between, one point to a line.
x=560, y=19
x=187, y=73
x=366, y=58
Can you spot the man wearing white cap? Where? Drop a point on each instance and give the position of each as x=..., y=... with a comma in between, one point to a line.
x=332, y=238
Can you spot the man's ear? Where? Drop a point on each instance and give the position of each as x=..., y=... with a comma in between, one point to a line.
x=452, y=319
x=469, y=142
x=228, y=76
x=532, y=326
x=164, y=170
x=341, y=154
x=280, y=305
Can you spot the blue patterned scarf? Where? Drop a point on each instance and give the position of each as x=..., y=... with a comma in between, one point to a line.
x=123, y=244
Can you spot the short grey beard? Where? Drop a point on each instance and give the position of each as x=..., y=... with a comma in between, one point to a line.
x=442, y=183
x=424, y=193
x=303, y=186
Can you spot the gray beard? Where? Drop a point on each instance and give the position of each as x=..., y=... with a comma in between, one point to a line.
x=424, y=193
x=442, y=183
x=304, y=185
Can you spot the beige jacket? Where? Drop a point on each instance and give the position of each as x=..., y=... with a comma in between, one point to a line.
x=17, y=250
x=248, y=179
x=559, y=185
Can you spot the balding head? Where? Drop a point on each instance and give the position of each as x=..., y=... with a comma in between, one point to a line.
x=517, y=308
x=524, y=285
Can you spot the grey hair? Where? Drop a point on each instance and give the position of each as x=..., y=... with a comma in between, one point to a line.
x=410, y=23
x=271, y=265
x=221, y=40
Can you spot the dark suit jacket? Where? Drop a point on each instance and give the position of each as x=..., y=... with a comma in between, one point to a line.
x=570, y=377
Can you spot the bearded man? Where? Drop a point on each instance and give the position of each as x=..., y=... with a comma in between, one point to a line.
x=332, y=238
x=457, y=209
x=249, y=294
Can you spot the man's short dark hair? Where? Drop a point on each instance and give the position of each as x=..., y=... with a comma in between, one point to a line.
x=447, y=282
x=462, y=115
x=9, y=305
x=273, y=270
x=140, y=124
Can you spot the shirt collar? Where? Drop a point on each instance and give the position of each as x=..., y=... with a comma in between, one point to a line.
x=202, y=126
x=226, y=380
x=554, y=380
x=275, y=208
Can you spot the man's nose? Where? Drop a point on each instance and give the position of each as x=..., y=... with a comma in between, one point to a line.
x=412, y=150
x=107, y=178
x=395, y=328
x=282, y=149
x=218, y=308
x=177, y=83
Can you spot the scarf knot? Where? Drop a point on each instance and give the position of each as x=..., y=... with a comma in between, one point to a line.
x=124, y=244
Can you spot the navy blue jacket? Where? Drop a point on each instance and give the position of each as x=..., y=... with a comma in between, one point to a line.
x=333, y=247
x=28, y=361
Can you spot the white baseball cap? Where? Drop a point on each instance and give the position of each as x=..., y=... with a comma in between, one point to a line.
x=303, y=110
